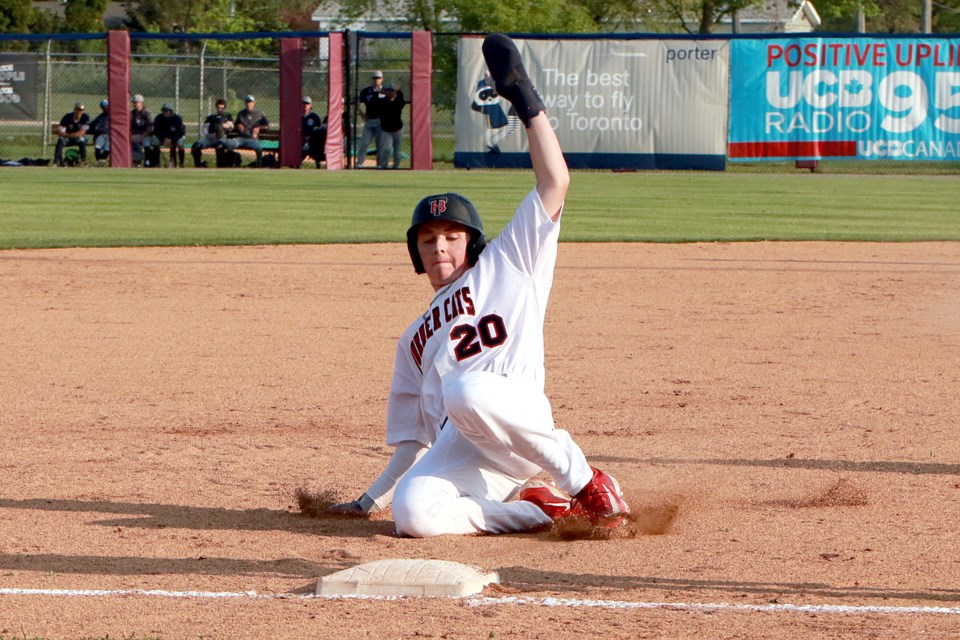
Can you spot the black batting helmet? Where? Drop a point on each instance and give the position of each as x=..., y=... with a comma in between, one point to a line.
x=454, y=208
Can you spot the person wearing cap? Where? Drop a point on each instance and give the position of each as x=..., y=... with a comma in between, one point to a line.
x=391, y=126
x=313, y=129
x=250, y=121
x=169, y=131
x=467, y=413
x=216, y=129
x=369, y=106
x=141, y=133
x=100, y=132
x=72, y=132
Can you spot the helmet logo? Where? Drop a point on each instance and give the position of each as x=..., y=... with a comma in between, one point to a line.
x=438, y=206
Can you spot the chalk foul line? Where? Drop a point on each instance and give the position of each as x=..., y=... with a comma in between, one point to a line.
x=480, y=601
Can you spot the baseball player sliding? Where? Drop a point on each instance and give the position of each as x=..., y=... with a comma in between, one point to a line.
x=467, y=412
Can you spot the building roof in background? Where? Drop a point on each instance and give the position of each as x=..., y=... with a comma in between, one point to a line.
x=775, y=16
x=390, y=15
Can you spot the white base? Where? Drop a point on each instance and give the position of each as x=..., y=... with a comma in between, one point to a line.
x=403, y=577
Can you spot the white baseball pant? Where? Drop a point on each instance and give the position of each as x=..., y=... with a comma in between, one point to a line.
x=500, y=433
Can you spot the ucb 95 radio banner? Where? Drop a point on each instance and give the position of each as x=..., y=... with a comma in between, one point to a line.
x=633, y=104
x=864, y=98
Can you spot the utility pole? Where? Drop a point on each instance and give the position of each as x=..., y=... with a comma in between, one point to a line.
x=927, y=21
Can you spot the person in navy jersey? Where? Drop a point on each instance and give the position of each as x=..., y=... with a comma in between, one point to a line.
x=169, y=131
x=313, y=130
x=72, y=131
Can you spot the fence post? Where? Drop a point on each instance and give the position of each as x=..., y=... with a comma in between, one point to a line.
x=291, y=111
x=333, y=149
x=421, y=97
x=47, y=97
x=118, y=93
x=201, y=116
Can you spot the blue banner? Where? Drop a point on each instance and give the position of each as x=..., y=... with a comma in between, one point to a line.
x=863, y=98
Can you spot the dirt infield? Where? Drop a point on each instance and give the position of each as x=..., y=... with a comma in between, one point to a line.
x=793, y=408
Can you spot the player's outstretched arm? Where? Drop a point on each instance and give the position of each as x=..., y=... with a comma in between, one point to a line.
x=513, y=83
x=553, y=177
x=380, y=493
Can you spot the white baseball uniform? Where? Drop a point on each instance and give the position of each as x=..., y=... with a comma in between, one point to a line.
x=469, y=382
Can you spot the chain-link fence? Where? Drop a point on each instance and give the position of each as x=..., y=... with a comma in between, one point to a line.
x=192, y=72
x=192, y=78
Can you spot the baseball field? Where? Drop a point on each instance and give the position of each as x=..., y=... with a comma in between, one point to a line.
x=769, y=364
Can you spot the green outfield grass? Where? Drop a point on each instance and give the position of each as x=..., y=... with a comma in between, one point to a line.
x=50, y=207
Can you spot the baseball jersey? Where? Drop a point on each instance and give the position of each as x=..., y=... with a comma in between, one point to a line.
x=250, y=119
x=141, y=121
x=215, y=126
x=310, y=123
x=391, y=113
x=490, y=319
x=73, y=126
x=169, y=127
x=371, y=98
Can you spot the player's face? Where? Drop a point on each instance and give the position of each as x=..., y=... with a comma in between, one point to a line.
x=443, y=249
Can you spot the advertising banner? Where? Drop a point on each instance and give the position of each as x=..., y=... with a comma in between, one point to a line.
x=863, y=98
x=18, y=86
x=615, y=104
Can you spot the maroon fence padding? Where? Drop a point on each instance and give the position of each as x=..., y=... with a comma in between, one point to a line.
x=334, y=145
x=421, y=91
x=291, y=110
x=118, y=93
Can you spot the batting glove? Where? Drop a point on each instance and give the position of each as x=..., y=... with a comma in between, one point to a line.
x=510, y=77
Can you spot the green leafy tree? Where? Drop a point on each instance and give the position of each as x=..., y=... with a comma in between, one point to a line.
x=946, y=16
x=44, y=21
x=206, y=16
x=15, y=16
x=85, y=16
x=515, y=16
x=841, y=15
x=896, y=16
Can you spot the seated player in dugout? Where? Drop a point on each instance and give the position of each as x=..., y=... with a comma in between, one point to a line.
x=467, y=413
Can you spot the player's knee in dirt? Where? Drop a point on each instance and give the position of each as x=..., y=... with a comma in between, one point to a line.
x=416, y=513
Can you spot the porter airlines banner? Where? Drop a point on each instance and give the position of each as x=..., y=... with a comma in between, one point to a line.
x=865, y=98
x=615, y=104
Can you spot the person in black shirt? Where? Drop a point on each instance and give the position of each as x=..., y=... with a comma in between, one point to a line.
x=314, y=133
x=100, y=132
x=72, y=132
x=391, y=125
x=370, y=100
x=141, y=132
x=216, y=128
x=169, y=130
x=249, y=122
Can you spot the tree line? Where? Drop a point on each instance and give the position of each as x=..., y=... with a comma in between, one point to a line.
x=517, y=16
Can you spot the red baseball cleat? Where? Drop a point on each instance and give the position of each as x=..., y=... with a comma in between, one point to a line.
x=553, y=503
x=601, y=500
